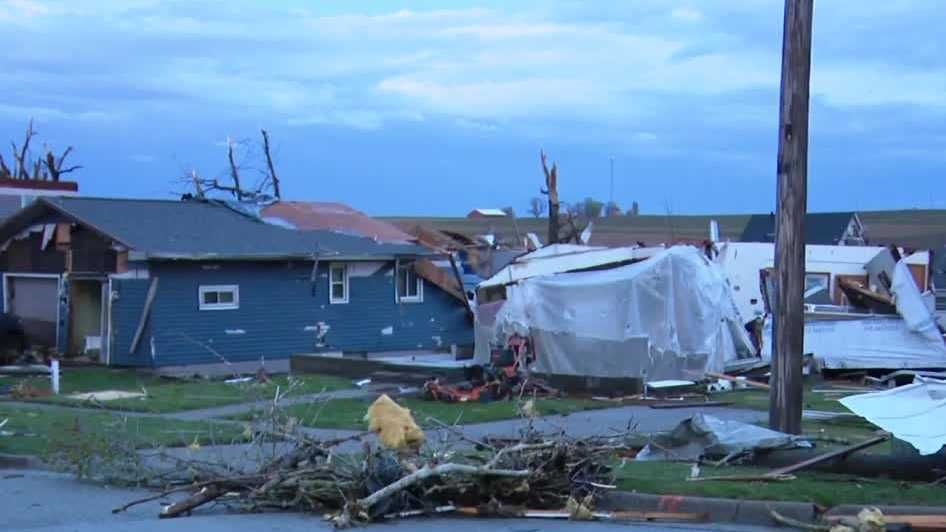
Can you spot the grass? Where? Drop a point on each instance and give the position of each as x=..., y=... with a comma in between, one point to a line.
x=170, y=395
x=349, y=413
x=36, y=429
x=669, y=478
x=759, y=399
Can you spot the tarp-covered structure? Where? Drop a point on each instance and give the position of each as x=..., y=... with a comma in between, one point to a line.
x=661, y=318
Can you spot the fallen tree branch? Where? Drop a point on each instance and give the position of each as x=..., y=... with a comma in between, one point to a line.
x=440, y=470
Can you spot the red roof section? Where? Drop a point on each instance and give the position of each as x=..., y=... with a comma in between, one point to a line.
x=338, y=217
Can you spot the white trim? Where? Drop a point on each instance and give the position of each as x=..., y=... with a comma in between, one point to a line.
x=419, y=284
x=205, y=288
x=345, y=275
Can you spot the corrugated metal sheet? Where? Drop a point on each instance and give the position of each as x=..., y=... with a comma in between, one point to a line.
x=337, y=217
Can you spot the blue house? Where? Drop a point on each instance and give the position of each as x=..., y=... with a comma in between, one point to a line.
x=163, y=284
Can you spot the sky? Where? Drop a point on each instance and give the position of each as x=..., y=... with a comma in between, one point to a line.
x=436, y=107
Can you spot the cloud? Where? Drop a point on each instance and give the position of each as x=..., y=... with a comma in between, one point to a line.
x=686, y=14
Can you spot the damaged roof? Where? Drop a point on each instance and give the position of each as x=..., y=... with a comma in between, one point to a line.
x=823, y=228
x=337, y=217
x=195, y=229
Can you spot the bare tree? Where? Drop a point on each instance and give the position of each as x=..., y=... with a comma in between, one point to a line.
x=48, y=167
x=551, y=190
x=267, y=189
x=536, y=207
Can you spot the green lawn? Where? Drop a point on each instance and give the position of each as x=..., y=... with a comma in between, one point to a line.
x=172, y=395
x=759, y=399
x=349, y=413
x=669, y=478
x=36, y=430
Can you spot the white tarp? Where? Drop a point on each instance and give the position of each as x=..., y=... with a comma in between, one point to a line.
x=668, y=315
x=909, y=340
x=913, y=413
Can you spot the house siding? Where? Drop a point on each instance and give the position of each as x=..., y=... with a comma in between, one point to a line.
x=128, y=300
x=277, y=314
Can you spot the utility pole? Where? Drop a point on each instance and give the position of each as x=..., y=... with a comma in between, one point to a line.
x=785, y=399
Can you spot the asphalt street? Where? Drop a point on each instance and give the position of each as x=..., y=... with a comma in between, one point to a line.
x=47, y=502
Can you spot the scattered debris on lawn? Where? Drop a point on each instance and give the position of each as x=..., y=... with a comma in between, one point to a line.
x=107, y=395
x=913, y=413
x=705, y=435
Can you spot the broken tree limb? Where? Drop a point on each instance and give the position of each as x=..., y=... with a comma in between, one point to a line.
x=440, y=470
x=145, y=312
x=205, y=495
x=918, y=523
x=828, y=456
x=269, y=165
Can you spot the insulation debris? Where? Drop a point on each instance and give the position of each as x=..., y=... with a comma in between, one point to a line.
x=107, y=395
x=394, y=424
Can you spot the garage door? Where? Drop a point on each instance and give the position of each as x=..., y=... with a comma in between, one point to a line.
x=35, y=300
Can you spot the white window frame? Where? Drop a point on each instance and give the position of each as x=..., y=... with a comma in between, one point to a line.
x=205, y=288
x=419, y=283
x=345, y=275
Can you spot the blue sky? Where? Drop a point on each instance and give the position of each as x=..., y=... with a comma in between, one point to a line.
x=432, y=108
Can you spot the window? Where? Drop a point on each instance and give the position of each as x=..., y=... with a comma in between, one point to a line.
x=410, y=287
x=818, y=288
x=338, y=283
x=219, y=297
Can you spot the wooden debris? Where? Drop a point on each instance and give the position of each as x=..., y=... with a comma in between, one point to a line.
x=828, y=456
x=730, y=378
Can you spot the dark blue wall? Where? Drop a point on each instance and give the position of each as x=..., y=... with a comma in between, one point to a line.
x=277, y=306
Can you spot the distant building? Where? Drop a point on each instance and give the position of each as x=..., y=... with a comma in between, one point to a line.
x=821, y=228
x=486, y=213
x=18, y=193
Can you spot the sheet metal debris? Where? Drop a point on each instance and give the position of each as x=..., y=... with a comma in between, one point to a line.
x=705, y=435
x=913, y=413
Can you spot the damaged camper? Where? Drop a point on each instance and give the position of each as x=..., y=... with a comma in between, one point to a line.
x=865, y=307
x=663, y=314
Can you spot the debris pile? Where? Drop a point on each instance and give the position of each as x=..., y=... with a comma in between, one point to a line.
x=402, y=478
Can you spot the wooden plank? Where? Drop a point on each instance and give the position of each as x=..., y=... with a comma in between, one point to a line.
x=145, y=312
x=429, y=271
x=459, y=279
x=785, y=404
x=730, y=378
x=827, y=456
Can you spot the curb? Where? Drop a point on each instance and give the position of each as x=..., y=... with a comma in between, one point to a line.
x=852, y=509
x=734, y=511
x=21, y=461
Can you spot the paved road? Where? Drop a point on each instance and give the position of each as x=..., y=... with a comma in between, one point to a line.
x=580, y=424
x=46, y=502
